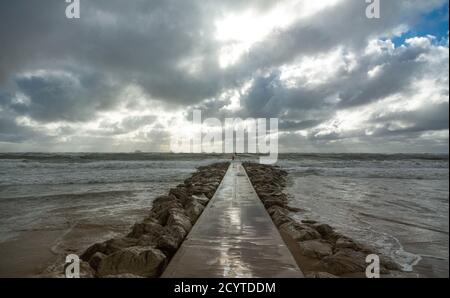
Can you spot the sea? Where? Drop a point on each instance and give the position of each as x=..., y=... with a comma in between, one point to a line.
x=53, y=204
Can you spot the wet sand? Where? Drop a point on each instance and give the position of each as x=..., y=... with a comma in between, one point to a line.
x=34, y=252
x=29, y=254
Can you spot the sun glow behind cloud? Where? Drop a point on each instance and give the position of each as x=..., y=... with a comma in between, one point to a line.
x=239, y=32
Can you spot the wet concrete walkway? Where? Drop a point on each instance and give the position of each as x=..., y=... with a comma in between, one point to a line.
x=234, y=237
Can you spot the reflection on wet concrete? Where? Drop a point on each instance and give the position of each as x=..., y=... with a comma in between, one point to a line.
x=234, y=237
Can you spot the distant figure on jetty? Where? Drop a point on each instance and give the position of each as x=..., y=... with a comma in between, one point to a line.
x=233, y=157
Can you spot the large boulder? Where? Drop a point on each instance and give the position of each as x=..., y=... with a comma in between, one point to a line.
x=344, y=242
x=95, y=260
x=201, y=198
x=324, y=230
x=279, y=217
x=299, y=232
x=109, y=247
x=179, y=218
x=171, y=239
x=93, y=249
x=181, y=193
x=345, y=261
x=320, y=275
x=308, y=233
x=271, y=210
x=124, y=275
x=274, y=202
x=145, y=227
x=142, y=261
x=193, y=211
x=161, y=210
x=390, y=264
x=317, y=248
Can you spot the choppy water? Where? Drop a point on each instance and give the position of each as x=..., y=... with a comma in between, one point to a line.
x=398, y=203
x=73, y=200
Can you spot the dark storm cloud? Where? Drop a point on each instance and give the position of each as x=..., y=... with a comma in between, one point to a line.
x=138, y=41
x=12, y=132
x=268, y=97
x=431, y=117
x=62, y=96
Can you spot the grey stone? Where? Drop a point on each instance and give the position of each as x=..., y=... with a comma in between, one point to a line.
x=142, y=261
x=320, y=275
x=345, y=261
x=95, y=260
x=201, y=198
x=179, y=218
x=324, y=230
x=193, y=211
x=315, y=248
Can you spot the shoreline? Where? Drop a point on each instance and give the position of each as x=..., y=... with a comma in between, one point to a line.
x=147, y=249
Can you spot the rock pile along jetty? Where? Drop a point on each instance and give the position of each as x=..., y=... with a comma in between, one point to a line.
x=319, y=250
x=147, y=249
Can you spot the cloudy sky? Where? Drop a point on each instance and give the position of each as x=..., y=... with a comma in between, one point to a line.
x=127, y=74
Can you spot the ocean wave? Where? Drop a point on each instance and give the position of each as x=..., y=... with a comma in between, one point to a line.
x=72, y=195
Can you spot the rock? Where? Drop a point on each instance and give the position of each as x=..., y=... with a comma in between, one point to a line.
x=116, y=244
x=179, y=218
x=146, y=227
x=193, y=211
x=315, y=248
x=345, y=242
x=271, y=210
x=108, y=247
x=86, y=271
x=148, y=240
x=95, y=260
x=124, y=275
x=345, y=261
x=161, y=211
x=90, y=251
x=142, y=261
x=324, y=230
x=390, y=264
x=320, y=275
x=290, y=229
x=299, y=232
x=181, y=193
x=309, y=221
x=308, y=233
x=293, y=209
x=168, y=244
x=201, y=198
x=163, y=200
x=171, y=240
x=280, y=218
x=273, y=202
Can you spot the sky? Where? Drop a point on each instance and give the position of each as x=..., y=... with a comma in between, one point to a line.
x=127, y=75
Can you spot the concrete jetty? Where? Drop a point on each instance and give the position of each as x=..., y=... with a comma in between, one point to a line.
x=234, y=237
